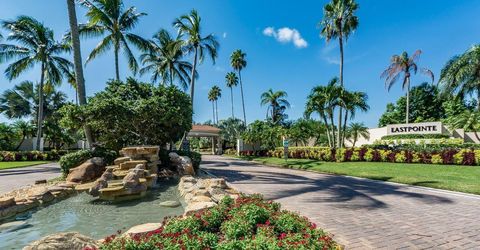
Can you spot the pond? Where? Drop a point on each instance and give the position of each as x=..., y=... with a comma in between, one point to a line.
x=84, y=214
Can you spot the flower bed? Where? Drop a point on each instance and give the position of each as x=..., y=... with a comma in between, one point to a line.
x=53, y=155
x=249, y=222
x=469, y=157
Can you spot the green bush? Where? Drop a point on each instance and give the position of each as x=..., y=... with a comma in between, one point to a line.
x=53, y=155
x=249, y=222
x=414, y=136
x=74, y=159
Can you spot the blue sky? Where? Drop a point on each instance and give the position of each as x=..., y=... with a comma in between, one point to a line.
x=293, y=59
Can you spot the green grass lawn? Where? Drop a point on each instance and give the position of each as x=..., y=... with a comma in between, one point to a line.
x=456, y=178
x=19, y=164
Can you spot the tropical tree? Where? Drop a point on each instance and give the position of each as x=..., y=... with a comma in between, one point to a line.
x=190, y=25
x=460, y=74
x=164, y=60
x=232, y=81
x=79, y=80
x=355, y=131
x=352, y=102
x=25, y=129
x=469, y=121
x=324, y=100
x=404, y=65
x=339, y=22
x=238, y=62
x=231, y=130
x=276, y=102
x=213, y=95
x=109, y=17
x=36, y=45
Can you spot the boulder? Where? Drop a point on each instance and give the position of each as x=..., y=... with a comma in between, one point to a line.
x=143, y=229
x=197, y=206
x=121, y=160
x=170, y=204
x=133, y=177
x=12, y=226
x=87, y=171
x=7, y=202
x=201, y=199
x=63, y=241
x=43, y=195
x=183, y=163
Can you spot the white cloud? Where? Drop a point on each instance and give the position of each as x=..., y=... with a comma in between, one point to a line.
x=224, y=35
x=286, y=35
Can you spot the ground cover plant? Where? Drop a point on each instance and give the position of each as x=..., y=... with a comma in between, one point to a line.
x=10, y=156
x=248, y=222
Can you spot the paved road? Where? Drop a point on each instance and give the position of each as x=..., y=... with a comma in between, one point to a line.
x=361, y=213
x=11, y=179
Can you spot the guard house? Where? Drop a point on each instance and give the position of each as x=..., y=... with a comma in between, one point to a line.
x=208, y=132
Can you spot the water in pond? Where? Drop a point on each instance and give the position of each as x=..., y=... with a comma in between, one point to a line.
x=83, y=214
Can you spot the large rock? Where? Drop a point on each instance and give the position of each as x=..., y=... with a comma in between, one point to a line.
x=87, y=171
x=143, y=229
x=7, y=202
x=12, y=226
x=63, y=241
x=197, y=206
x=170, y=204
x=183, y=163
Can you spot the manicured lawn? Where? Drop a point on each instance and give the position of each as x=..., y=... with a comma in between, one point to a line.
x=456, y=178
x=19, y=164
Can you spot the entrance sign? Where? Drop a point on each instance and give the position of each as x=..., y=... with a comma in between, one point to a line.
x=415, y=128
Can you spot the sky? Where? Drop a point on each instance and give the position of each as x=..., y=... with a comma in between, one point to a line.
x=283, y=46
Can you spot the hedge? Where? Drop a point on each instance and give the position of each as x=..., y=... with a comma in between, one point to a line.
x=53, y=155
x=249, y=222
x=469, y=157
x=415, y=136
x=443, y=141
x=74, y=159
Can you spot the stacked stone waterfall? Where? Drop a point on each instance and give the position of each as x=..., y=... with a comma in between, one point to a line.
x=130, y=177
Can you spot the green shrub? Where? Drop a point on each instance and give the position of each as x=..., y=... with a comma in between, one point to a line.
x=437, y=159
x=414, y=136
x=74, y=159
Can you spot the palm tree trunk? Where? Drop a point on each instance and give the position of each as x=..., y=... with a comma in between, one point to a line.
x=40, y=108
x=171, y=76
x=216, y=109
x=213, y=109
x=408, y=101
x=243, y=101
x=20, y=144
x=231, y=94
x=328, y=131
x=340, y=41
x=192, y=80
x=117, y=70
x=344, y=134
x=77, y=58
x=333, y=130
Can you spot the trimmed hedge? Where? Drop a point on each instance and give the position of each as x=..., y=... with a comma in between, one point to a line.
x=53, y=155
x=443, y=141
x=415, y=136
x=74, y=159
x=249, y=222
x=469, y=157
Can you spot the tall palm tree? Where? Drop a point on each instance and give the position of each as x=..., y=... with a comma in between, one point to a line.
x=77, y=61
x=339, y=21
x=190, y=25
x=276, y=102
x=25, y=129
x=232, y=81
x=36, y=45
x=404, y=65
x=19, y=102
x=351, y=102
x=357, y=130
x=213, y=95
x=110, y=17
x=460, y=74
x=238, y=62
x=164, y=60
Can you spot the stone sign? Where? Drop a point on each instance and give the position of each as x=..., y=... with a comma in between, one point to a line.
x=415, y=128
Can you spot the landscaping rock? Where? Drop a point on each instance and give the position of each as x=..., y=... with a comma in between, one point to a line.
x=63, y=241
x=88, y=171
x=201, y=199
x=40, y=182
x=170, y=204
x=183, y=163
x=121, y=160
x=143, y=229
x=7, y=202
x=12, y=226
x=197, y=206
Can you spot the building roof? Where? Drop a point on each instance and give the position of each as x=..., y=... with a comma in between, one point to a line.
x=204, y=131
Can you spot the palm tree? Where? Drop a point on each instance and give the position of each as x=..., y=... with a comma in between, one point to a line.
x=213, y=95
x=404, y=65
x=232, y=81
x=339, y=21
x=164, y=60
x=109, y=16
x=276, y=102
x=25, y=129
x=19, y=102
x=36, y=45
x=469, y=121
x=355, y=130
x=77, y=61
x=460, y=74
x=238, y=62
x=351, y=102
x=190, y=26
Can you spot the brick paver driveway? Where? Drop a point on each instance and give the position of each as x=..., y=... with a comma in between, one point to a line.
x=14, y=178
x=363, y=214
